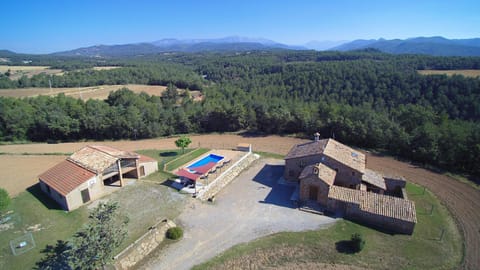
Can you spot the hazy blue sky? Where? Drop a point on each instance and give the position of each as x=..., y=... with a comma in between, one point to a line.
x=41, y=26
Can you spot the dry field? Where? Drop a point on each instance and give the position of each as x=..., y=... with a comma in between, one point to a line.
x=29, y=71
x=473, y=73
x=462, y=200
x=92, y=92
x=106, y=68
x=16, y=180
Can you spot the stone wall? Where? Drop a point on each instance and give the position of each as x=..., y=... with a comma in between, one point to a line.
x=142, y=246
x=226, y=177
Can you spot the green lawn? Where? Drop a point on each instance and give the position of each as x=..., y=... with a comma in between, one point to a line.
x=144, y=203
x=422, y=250
x=174, y=156
x=35, y=212
x=187, y=157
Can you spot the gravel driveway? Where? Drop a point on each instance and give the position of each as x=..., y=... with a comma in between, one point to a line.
x=253, y=205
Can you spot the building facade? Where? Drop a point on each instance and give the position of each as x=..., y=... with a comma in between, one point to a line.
x=335, y=176
x=91, y=172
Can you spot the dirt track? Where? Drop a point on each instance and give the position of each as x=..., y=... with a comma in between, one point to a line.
x=462, y=200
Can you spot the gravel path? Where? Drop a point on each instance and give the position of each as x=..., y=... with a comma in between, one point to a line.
x=252, y=206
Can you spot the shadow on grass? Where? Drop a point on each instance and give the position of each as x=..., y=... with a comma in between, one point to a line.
x=55, y=257
x=48, y=202
x=168, y=154
x=345, y=247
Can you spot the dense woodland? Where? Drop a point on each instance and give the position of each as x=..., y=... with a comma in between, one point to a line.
x=365, y=98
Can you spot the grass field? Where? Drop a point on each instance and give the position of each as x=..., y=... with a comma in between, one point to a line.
x=144, y=204
x=465, y=72
x=34, y=212
x=18, y=71
x=422, y=250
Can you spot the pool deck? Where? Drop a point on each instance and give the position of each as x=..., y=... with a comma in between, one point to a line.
x=231, y=155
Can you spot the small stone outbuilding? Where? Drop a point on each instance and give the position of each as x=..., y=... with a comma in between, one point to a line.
x=88, y=173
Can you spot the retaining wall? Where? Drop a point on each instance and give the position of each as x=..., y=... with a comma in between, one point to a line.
x=142, y=246
x=227, y=176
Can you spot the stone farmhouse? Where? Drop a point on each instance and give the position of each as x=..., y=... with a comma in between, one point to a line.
x=334, y=177
x=92, y=172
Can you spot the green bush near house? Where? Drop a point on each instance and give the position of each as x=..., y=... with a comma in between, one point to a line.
x=174, y=233
x=357, y=242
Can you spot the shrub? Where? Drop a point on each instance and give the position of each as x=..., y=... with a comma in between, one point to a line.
x=174, y=233
x=4, y=199
x=357, y=242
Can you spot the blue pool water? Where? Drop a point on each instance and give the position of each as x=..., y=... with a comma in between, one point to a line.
x=205, y=160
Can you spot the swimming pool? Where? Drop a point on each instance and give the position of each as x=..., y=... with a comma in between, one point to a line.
x=206, y=160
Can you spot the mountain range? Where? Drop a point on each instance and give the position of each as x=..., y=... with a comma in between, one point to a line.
x=233, y=43
x=438, y=46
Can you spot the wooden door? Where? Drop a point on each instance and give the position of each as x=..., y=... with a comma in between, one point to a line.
x=313, y=193
x=85, y=195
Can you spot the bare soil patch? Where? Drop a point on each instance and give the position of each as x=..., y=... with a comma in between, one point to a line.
x=462, y=200
x=465, y=72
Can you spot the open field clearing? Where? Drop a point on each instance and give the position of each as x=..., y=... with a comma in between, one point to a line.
x=465, y=72
x=106, y=68
x=16, y=180
x=422, y=250
x=18, y=71
x=462, y=200
x=92, y=92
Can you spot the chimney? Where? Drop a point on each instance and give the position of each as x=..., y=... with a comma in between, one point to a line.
x=317, y=136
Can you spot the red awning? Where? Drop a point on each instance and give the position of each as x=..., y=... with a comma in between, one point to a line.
x=204, y=168
x=187, y=174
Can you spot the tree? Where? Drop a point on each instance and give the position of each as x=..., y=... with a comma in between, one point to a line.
x=4, y=199
x=183, y=142
x=93, y=246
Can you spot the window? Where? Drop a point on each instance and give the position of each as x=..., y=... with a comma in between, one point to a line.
x=48, y=189
x=353, y=173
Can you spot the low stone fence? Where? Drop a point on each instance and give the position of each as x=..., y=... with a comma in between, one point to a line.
x=142, y=246
x=226, y=177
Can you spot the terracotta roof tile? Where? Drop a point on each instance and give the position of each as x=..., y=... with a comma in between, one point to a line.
x=92, y=159
x=307, y=149
x=345, y=155
x=143, y=159
x=378, y=204
x=374, y=178
x=66, y=176
x=320, y=170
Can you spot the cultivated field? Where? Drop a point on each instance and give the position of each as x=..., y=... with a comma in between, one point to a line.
x=85, y=93
x=29, y=71
x=465, y=72
x=462, y=200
